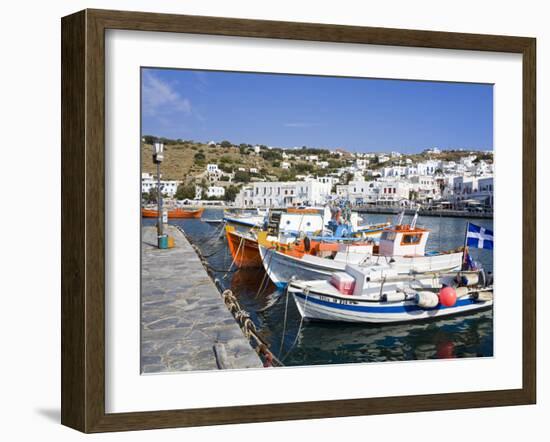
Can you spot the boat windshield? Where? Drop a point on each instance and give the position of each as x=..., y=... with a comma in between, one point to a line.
x=388, y=236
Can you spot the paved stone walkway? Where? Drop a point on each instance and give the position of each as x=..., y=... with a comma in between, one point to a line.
x=182, y=313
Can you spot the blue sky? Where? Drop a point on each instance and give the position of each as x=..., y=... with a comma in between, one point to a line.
x=293, y=110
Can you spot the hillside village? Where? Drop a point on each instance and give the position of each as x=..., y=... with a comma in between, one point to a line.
x=248, y=175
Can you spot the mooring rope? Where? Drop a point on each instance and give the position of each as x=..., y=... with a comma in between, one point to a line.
x=306, y=293
x=249, y=329
x=235, y=257
x=284, y=322
x=265, y=278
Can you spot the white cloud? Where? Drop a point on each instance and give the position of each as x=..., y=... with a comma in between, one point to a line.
x=160, y=97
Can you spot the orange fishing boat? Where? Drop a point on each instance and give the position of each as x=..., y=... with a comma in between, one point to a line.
x=149, y=213
x=243, y=248
x=245, y=252
x=184, y=213
x=177, y=213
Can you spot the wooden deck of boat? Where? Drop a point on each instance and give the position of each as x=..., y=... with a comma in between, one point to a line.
x=183, y=317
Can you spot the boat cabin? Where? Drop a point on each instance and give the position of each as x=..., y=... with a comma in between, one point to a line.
x=403, y=240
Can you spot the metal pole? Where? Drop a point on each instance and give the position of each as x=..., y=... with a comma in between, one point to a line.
x=159, y=202
x=465, y=242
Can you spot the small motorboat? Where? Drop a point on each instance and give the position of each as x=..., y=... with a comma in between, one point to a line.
x=177, y=213
x=379, y=294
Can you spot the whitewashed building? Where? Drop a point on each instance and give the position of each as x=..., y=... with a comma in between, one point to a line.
x=361, y=163
x=394, y=193
x=331, y=180
x=283, y=194
x=213, y=173
x=426, y=188
x=149, y=182
x=479, y=189
x=359, y=192
x=432, y=151
x=215, y=191
x=428, y=167
x=388, y=192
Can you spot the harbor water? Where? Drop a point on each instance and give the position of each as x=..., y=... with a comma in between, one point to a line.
x=298, y=342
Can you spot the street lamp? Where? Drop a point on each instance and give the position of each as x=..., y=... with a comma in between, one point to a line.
x=158, y=156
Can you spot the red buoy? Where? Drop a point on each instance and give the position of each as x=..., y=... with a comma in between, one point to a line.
x=447, y=296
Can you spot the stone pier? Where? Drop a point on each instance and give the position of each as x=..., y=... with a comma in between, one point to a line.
x=183, y=317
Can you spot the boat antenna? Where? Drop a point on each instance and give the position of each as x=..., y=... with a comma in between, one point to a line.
x=415, y=218
x=400, y=218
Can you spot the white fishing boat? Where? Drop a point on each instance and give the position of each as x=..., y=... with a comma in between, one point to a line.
x=379, y=294
x=311, y=221
x=403, y=246
x=254, y=218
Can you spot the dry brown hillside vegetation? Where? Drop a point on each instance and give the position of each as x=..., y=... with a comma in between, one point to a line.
x=186, y=160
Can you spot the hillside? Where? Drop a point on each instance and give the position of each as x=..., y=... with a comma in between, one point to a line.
x=186, y=160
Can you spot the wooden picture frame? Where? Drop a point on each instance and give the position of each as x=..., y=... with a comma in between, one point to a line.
x=83, y=220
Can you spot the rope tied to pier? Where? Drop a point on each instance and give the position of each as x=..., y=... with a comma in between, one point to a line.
x=241, y=244
x=298, y=332
x=249, y=329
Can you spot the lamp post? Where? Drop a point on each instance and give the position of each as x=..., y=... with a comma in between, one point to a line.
x=158, y=156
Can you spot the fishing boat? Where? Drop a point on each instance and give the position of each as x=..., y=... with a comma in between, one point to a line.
x=379, y=294
x=294, y=230
x=243, y=247
x=149, y=213
x=404, y=246
x=254, y=218
x=177, y=213
x=310, y=220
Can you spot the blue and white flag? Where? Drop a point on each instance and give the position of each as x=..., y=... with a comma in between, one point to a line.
x=479, y=237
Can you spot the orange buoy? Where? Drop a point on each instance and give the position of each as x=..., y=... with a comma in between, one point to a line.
x=447, y=296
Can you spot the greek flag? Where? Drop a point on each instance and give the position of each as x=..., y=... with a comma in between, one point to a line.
x=479, y=237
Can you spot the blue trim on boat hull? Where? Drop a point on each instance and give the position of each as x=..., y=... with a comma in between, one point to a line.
x=406, y=308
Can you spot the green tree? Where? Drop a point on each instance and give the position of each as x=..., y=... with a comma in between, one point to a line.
x=199, y=156
x=242, y=177
x=150, y=197
x=185, y=191
x=231, y=193
x=271, y=155
x=288, y=175
x=149, y=139
x=226, y=168
x=304, y=167
x=226, y=143
x=347, y=178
